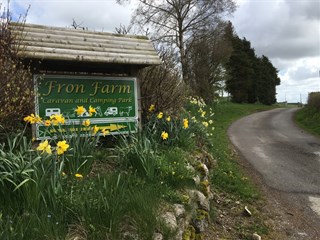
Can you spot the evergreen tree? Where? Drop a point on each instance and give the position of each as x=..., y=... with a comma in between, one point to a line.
x=268, y=80
x=250, y=78
x=240, y=71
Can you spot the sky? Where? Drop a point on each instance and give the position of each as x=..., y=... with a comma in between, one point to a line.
x=286, y=31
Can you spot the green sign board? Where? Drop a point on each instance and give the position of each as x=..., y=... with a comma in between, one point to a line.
x=113, y=98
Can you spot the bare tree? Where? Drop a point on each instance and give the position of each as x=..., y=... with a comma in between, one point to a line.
x=76, y=25
x=175, y=21
x=208, y=51
x=122, y=29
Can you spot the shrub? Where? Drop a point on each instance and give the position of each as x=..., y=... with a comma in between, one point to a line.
x=161, y=85
x=314, y=100
x=16, y=87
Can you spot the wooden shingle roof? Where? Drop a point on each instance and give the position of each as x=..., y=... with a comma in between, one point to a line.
x=71, y=45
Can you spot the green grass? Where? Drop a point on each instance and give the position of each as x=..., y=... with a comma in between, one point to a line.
x=126, y=186
x=308, y=118
x=227, y=176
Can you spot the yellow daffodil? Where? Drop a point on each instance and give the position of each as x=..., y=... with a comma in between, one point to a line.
x=206, y=124
x=164, y=135
x=63, y=174
x=168, y=119
x=56, y=119
x=185, y=123
x=152, y=108
x=203, y=114
x=95, y=129
x=210, y=121
x=44, y=147
x=104, y=132
x=62, y=146
x=160, y=115
x=78, y=175
x=80, y=110
x=47, y=123
x=33, y=119
x=86, y=123
x=92, y=110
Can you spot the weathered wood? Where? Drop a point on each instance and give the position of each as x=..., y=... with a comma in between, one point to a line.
x=61, y=42
x=89, y=47
x=83, y=39
x=61, y=31
x=76, y=52
x=82, y=58
x=65, y=44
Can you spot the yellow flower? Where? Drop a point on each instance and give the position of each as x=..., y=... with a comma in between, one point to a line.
x=160, y=115
x=104, y=132
x=86, y=123
x=57, y=118
x=206, y=124
x=210, y=121
x=92, y=110
x=185, y=123
x=47, y=123
x=44, y=147
x=78, y=175
x=168, y=119
x=152, y=108
x=164, y=135
x=80, y=110
x=33, y=119
x=63, y=174
x=62, y=146
x=95, y=129
x=203, y=113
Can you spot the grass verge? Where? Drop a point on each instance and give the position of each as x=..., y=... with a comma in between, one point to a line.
x=308, y=118
x=227, y=176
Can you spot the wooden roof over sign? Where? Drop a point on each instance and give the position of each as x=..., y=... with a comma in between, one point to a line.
x=71, y=45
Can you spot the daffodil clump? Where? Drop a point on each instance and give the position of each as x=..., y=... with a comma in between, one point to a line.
x=201, y=113
x=95, y=130
x=166, y=128
x=72, y=144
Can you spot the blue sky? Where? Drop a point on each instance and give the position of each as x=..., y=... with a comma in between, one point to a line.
x=286, y=31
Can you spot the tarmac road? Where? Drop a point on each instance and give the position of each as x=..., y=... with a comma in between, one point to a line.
x=286, y=158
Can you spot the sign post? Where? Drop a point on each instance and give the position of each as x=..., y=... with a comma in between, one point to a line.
x=114, y=99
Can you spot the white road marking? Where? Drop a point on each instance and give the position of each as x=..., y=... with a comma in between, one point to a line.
x=317, y=153
x=259, y=151
x=315, y=204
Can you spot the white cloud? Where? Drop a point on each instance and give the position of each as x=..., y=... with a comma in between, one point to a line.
x=287, y=32
x=100, y=15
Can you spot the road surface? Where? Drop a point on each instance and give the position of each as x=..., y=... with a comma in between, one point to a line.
x=286, y=158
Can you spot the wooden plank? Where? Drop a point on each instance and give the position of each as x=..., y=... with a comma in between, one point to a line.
x=52, y=43
x=111, y=49
x=83, y=40
x=88, y=53
x=82, y=35
x=47, y=41
x=74, y=58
